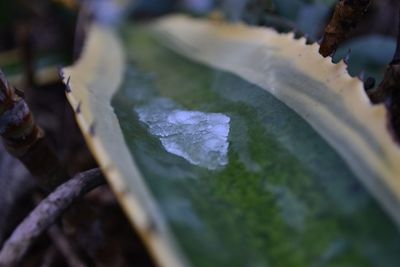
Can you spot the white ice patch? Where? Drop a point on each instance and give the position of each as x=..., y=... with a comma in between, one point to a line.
x=200, y=138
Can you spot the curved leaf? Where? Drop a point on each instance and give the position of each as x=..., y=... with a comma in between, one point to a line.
x=235, y=146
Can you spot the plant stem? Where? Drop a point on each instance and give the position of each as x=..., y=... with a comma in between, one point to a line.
x=25, y=140
x=346, y=16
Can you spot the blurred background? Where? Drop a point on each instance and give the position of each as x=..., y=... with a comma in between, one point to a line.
x=35, y=35
x=38, y=36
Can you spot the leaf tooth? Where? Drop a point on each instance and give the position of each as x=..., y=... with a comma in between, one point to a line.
x=78, y=108
x=92, y=129
x=67, y=85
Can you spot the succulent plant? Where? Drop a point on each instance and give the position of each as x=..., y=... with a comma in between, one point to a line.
x=232, y=145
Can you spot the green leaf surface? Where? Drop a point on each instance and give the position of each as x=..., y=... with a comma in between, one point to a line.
x=229, y=146
x=284, y=196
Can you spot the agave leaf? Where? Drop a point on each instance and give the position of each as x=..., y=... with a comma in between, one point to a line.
x=230, y=145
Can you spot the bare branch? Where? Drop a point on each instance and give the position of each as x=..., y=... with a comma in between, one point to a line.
x=347, y=15
x=45, y=214
x=25, y=140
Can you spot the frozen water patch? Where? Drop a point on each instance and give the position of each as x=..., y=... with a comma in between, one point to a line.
x=200, y=138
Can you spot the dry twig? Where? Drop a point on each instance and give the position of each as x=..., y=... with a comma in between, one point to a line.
x=45, y=214
x=347, y=15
